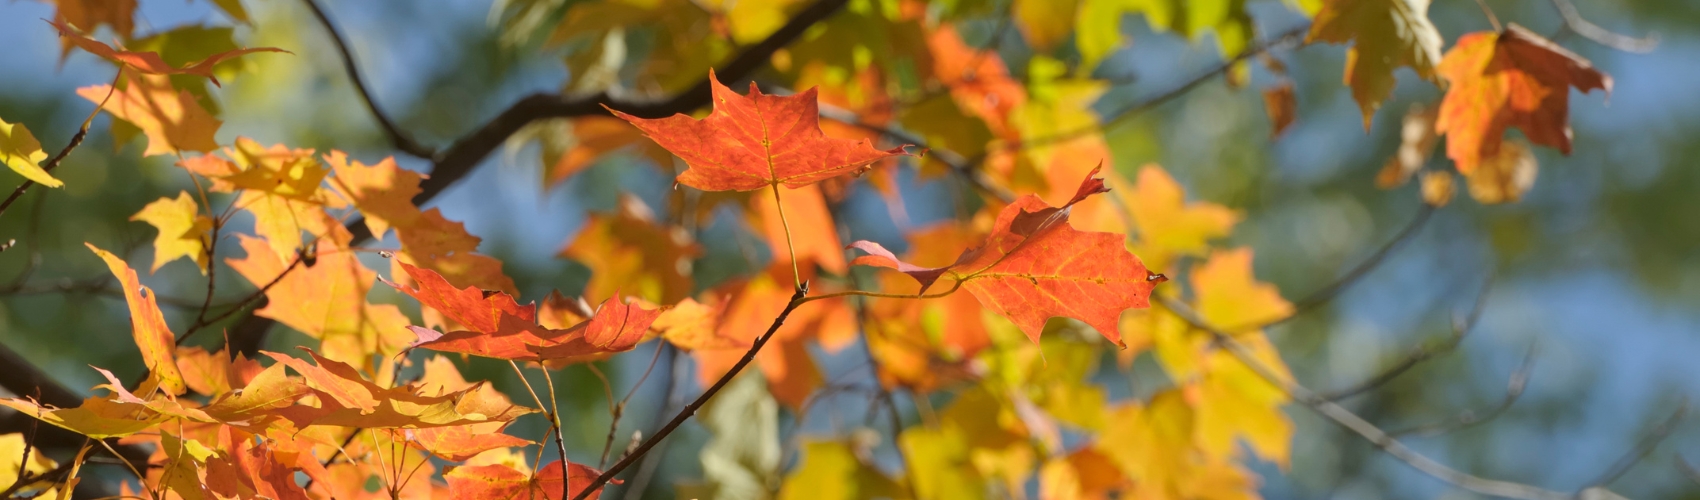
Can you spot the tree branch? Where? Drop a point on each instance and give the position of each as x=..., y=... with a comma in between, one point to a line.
x=397, y=136
x=691, y=409
x=1642, y=449
x=1472, y=418
x=1352, y=422
x=1460, y=329
x=452, y=164
x=1575, y=23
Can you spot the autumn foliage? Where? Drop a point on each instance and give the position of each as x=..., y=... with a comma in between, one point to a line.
x=1003, y=311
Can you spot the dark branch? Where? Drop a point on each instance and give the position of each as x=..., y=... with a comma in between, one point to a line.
x=691, y=409
x=461, y=158
x=398, y=137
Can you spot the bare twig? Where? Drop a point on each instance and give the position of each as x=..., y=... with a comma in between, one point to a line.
x=1688, y=469
x=616, y=410
x=670, y=398
x=397, y=136
x=1472, y=418
x=1363, y=428
x=1575, y=23
x=1491, y=17
x=1333, y=289
x=1641, y=449
x=76, y=139
x=459, y=159
x=691, y=409
x=1460, y=329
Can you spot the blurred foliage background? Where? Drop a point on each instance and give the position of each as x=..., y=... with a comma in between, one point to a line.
x=1596, y=272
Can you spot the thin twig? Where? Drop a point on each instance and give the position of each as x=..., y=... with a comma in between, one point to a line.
x=1363, y=428
x=1641, y=449
x=1688, y=469
x=691, y=409
x=397, y=136
x=76, y=139
x=1472, y=418
x=1492, y=19
x=560, y=440
x=616, y=410
x=1334, y=288
x=1577, y=24
x=1460, y=329
x=246, y=301
x=669, y=400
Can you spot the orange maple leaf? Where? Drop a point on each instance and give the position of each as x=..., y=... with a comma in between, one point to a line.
x=171, y=119
x=498, y=327
x=755, y=141
x=1035, y=266
x=1513, y=78
x=147, y=324
x=150, y=62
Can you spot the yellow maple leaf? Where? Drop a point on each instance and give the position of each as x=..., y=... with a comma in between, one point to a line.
x=1168, y=226
x=22, y=153
x=181, y=227
x=1230, y=297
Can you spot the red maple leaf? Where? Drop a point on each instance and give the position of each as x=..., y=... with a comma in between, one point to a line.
x=755, y=141
x=1035, y=266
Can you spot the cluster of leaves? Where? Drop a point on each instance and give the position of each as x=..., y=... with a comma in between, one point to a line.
x=994, y=311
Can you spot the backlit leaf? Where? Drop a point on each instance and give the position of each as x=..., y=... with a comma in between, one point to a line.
x=181, y=229
x=1385, y=34
x=147, y=325
x=1513, y=78
x=22, y=153
x=755, y=141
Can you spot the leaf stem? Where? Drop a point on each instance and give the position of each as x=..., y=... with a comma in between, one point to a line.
x=796, y=276
x=560, y=442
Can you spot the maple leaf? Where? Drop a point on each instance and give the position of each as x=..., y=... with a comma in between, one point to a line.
x=496, y=481
x=22, y=153
x=836, y=470
x=1513, y=78
x=594, y=137
x=812, y=236
x=171, y=119
x=1167, y=224
x=461, y=442
x=1229, y=295
x=147, y=325
x=1385, y=35
x=979, y=85
x=181, y=228
x=630, y=249
x=347, y=399
x=97, y=417
x=13, y=445
x=150, y=62
x=498, y=327
x=1034, y=266
x=691, y=325
x=325, y=300
x=756, y=141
